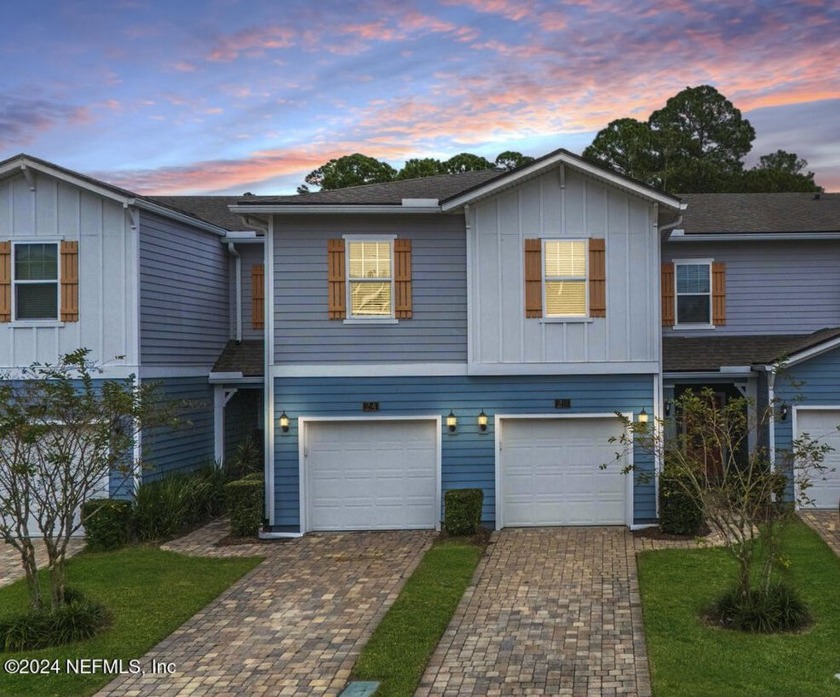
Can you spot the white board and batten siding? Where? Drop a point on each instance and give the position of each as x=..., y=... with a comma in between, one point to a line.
x=371, y=474
x=503, y=338
x=107, y=325
x=548, y=472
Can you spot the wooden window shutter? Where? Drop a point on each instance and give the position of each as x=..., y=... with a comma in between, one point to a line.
x=402, y=279
x=5, y=281
x=668, y=317
x=718, y=293
x=597, y=278
x=69, y=281
x=257, y=296
x=336, y=283
x=533, y=278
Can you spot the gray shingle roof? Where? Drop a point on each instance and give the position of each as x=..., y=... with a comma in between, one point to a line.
x=246, y=357
x=211, y=209
x=768, y=213
x=441, y=186
x=709, y=353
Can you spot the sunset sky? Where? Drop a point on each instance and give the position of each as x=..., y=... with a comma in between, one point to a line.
x=228, y=96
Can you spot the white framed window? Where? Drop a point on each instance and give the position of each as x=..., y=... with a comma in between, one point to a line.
x=370, y=277
x=35, y=281
x=565, y=270
x=693, y=292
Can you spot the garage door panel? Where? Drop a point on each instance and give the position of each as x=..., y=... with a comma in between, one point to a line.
x=822, y=425
x=371, y=476
x=550, y=473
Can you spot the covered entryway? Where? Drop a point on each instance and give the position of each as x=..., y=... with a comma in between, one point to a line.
x=549, y=472
x=821, y=424
x=371, y=474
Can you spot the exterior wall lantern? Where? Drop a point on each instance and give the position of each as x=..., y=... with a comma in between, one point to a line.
x=482, y=421
x=783, y=412
x=452, y=421
x=284, y=422
x=643, y=416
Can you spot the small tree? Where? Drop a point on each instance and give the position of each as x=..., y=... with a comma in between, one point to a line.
x=742, y=496
x=61, y=434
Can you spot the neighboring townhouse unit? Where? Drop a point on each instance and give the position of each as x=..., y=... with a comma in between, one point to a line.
x=749, y=281
x=472, y=330
x=145, y=284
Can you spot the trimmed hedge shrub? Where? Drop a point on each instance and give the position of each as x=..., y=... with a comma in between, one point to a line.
x=244, y=499
x=680, y=513
x=462, y=511
x=107, y=523
x=777, y=608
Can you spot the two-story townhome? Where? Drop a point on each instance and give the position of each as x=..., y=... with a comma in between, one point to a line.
x=751, y=306
x=472, y=330
x=147, y=285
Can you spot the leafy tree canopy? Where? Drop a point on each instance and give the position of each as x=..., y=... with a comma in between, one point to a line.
x=422, y=167
x=466, y=162
x=695, y=143
x=350, y=170
x=510, y=159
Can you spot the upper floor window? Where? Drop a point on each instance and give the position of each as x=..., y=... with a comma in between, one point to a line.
x=35, y=281
x=564, y=273
x=694, y=293
x=370, y=278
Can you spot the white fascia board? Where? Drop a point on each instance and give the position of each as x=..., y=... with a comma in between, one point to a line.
x=24, y=163
x=712, y=375
x=591, y=368
x=679, y=236
x=173, y=371
x=243, y=236
x=812, y=352
x=736, y=369
x=341, y=209
x=367, y=370
x=539, y=167
x=175, y=215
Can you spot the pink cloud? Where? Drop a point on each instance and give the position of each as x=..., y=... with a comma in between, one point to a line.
x=252, y=42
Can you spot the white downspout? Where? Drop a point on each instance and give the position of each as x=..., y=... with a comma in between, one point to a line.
x=238, y=271
x=771, y=400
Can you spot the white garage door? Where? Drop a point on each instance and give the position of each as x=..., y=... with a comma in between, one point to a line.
x=376, y=475
x=550, y=474
x=822, y=425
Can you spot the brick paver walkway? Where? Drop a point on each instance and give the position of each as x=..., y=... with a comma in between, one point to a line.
x=826, y=523
x=551, y=611
x=292, y=626
x=10, y=567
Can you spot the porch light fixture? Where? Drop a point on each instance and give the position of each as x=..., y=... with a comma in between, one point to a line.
x=643, y=416
x=783, y=412
x=452, y=421
x=667, y=407
x=482, y=421
x=284, y=422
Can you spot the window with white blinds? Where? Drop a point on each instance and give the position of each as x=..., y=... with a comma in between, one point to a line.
x=564, y=275
x=370, y=277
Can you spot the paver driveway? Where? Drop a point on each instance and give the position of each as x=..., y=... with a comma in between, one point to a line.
x=10, y=567
x=551, y=611
x=293, y=626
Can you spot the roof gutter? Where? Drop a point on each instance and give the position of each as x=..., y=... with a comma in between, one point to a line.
x=681, y=236
x=338, y=209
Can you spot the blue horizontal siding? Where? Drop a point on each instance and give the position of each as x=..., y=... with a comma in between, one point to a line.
x=188, y=447
x=468, y=456
x=812, y=383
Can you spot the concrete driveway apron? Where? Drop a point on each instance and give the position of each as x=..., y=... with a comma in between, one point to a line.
x=293, y=626
x=551, y=611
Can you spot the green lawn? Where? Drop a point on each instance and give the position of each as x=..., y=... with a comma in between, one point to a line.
x=404, y=641
x=150, y=593
x=688, y=657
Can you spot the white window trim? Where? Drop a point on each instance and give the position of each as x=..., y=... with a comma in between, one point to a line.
x=363, y=319
x=44, y=321
x=692, y=325
x=545, y=279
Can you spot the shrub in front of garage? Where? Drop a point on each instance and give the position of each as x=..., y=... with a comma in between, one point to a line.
x=680, y=511
x=244, y=499
x=107, y=523
x=462, y=511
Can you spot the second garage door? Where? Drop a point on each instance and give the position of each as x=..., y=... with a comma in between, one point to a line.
x=550, y=475
x=821, y=424
x=371, y=475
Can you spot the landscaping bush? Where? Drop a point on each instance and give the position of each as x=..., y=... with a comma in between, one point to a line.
x=462, y=511
x=176, y=503
x=247, y=460
x=107, y=523
x=777, y=608
x=244, y=499
x=680, y=513
x=76, y=620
